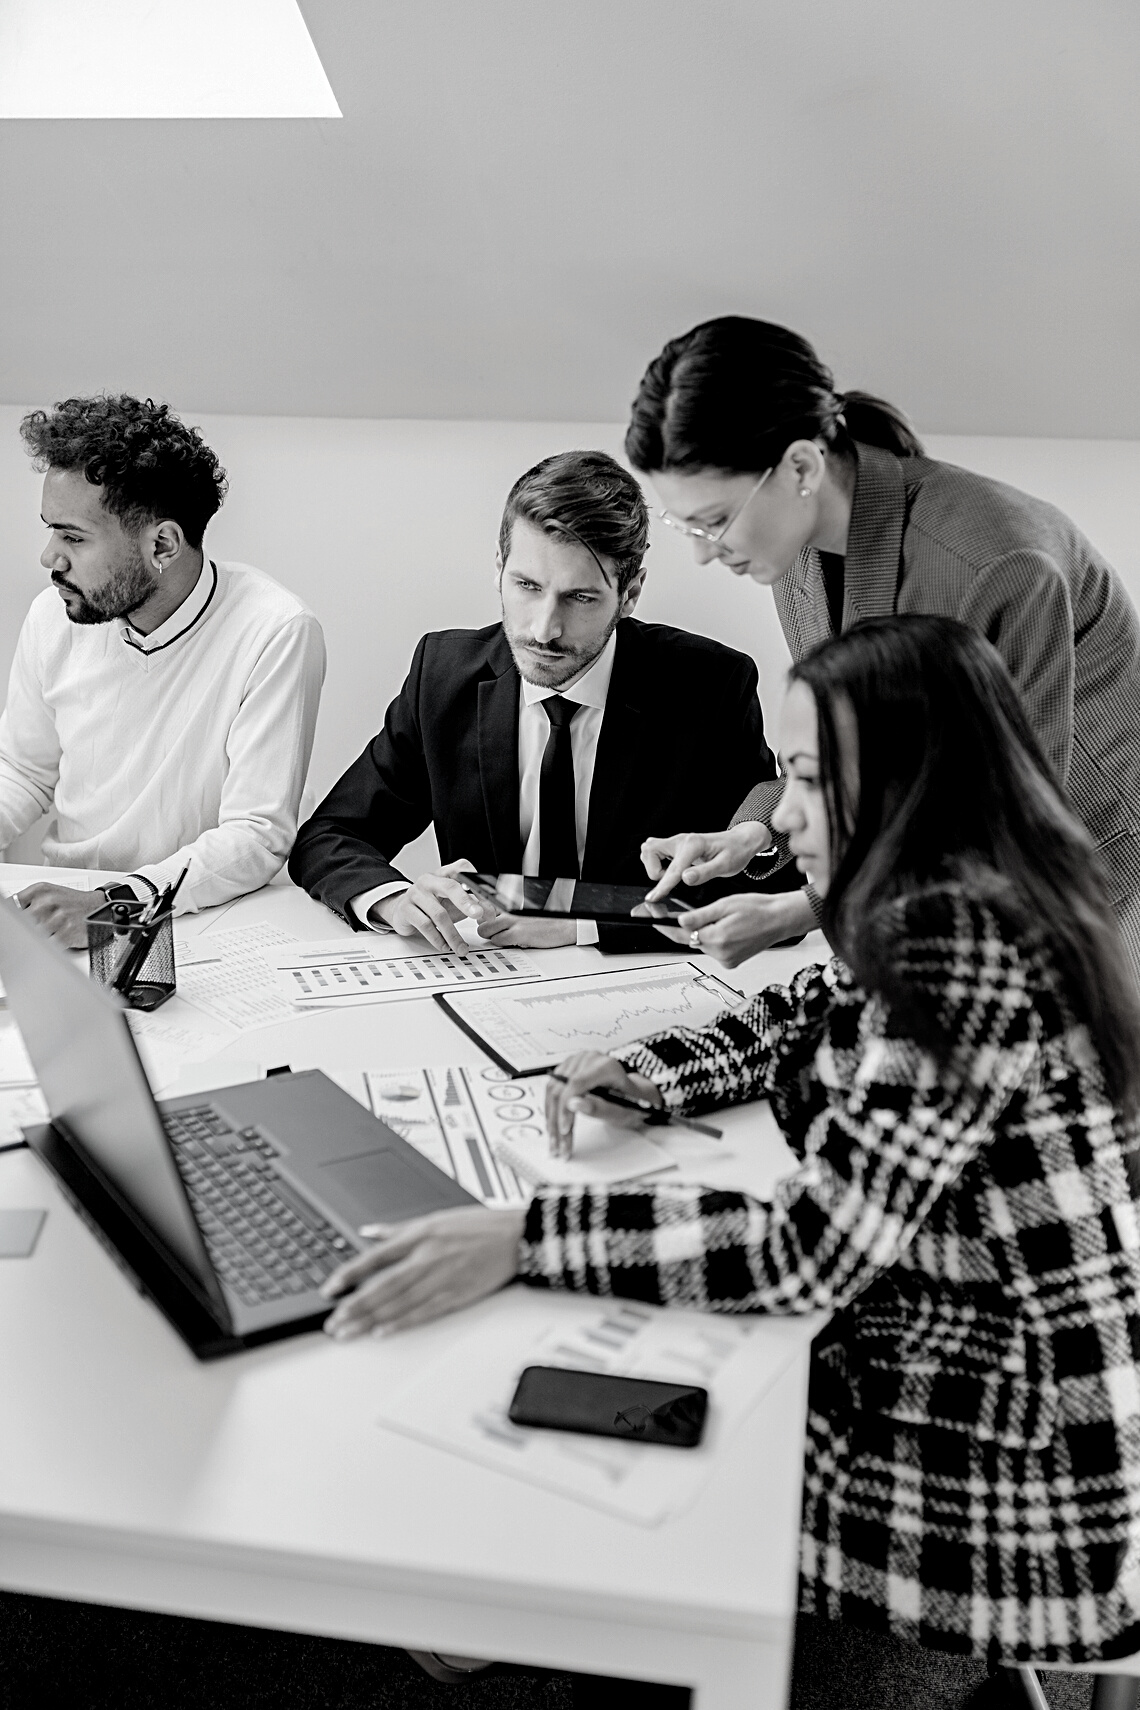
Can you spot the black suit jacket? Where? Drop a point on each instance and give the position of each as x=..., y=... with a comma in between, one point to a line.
x=682, y=741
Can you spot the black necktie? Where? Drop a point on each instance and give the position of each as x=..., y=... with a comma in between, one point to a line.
x=557, y=836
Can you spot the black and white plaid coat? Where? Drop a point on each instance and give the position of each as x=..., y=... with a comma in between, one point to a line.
x=972, y=1481
x=928, y=537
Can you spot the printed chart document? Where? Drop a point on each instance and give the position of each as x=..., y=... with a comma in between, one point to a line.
x=459, y=1402
x=530, y=1030
x=488, y=1131
x=325, y=976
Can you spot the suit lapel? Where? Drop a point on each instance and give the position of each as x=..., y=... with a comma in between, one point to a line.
x=620, y=748
x=499, y=755
x=874, y=537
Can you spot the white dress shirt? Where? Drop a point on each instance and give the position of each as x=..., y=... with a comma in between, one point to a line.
x=589, y=691
x=188, y=744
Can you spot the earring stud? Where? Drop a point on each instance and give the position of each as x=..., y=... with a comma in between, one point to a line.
x=805, y=492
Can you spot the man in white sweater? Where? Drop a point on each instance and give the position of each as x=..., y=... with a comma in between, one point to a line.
x=161, y=705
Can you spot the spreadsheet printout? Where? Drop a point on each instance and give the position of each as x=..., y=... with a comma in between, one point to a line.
x=357, y=976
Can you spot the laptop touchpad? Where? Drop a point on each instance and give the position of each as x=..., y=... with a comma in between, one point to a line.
x=376, y=1186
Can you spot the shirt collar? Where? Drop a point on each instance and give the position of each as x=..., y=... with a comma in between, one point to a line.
x=588, y=690
x=181, y=619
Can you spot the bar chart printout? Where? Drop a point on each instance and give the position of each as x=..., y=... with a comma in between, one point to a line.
x=349, y=977
x=531, y=1028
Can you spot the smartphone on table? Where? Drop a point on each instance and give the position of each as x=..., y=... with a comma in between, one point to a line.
x=601, y=1404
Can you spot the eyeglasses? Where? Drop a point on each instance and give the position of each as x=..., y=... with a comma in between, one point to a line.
x=695, y=532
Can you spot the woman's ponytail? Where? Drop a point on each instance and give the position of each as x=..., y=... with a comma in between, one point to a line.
x=872, y=421
x=734, y=393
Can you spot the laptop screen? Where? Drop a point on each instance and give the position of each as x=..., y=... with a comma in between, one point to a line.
x=89, y=1071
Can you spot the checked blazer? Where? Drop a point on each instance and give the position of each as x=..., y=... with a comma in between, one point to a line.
x=927, y=537
x=972, y=1481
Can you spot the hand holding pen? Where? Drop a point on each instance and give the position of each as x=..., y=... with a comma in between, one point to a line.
x=592, y=1084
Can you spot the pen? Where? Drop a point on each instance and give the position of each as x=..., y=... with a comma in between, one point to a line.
x=651, y=1112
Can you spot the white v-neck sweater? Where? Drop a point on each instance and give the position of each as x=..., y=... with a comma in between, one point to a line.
x=189, y=744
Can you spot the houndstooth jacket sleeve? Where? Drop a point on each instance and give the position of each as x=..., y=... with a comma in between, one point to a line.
x=883, y=1131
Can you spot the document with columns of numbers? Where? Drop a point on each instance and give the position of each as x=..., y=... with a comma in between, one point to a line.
x=328, y=975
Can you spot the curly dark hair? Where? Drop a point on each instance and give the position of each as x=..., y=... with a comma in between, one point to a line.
x=591, y=498
x=148, y=463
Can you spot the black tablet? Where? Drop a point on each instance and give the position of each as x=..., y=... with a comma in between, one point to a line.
x=571, y=899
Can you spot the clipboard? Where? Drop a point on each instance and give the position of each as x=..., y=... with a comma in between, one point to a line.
x=627, y=1004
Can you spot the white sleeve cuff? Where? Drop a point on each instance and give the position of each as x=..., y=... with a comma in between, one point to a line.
x=360, y=905
x=587, y=932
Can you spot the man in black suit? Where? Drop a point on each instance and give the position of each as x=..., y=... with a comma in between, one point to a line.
x=551, y=743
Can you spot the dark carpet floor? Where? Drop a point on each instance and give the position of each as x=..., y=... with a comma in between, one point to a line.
x=70, y=1656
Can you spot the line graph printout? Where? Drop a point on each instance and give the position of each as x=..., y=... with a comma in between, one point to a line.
x=529, y=1030
x=360, y=977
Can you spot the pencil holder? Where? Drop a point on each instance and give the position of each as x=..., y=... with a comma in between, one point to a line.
x=136, y=961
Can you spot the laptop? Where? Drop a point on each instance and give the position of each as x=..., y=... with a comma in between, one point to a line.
x=228, y=1208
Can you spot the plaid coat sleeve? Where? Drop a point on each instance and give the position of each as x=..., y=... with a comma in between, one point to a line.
x=885, y=1132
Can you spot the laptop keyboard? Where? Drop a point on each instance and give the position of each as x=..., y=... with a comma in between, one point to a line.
x=265, y=1241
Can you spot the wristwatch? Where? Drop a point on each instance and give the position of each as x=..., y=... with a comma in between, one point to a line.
x=118, y=892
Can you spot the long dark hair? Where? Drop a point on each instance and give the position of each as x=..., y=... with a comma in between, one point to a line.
x=953, y=783
x=734, y=393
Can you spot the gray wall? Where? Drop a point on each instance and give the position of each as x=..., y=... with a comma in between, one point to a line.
x=525, y=199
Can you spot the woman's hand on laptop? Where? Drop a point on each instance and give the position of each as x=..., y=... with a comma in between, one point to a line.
x=424, y=1268
x=695, y=857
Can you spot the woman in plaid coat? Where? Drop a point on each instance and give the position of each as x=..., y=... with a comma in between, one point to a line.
x=961, y=1089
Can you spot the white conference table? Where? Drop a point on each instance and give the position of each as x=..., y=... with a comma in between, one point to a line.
x=260, y=1488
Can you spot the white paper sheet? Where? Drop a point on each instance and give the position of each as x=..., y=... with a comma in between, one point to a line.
x=228, y=975
x=537, y=1026
x=357, y=975
x=20, y=1108
x=459, y=1402
x=448, y=1116
x=15, y=1065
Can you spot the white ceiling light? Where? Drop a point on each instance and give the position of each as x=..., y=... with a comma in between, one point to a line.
x=160, y=59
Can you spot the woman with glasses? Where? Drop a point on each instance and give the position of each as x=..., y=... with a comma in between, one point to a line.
x=828, y=499
x=961, y=1090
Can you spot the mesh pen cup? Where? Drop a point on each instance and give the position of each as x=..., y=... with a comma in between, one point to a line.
x=135, y=960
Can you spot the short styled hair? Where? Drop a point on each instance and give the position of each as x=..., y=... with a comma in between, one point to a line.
x=589, y=497
x=149, y=464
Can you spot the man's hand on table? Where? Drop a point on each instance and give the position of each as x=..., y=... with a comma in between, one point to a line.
x=430, y=908
x=529, y=932
x=424, y=1268
x=62, y=911
x=738, y=927
x=695, y=857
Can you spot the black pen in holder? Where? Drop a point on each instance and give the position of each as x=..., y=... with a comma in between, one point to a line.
x=133, y=957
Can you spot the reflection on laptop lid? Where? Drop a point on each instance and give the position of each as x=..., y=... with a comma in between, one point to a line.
x=89, y=1071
